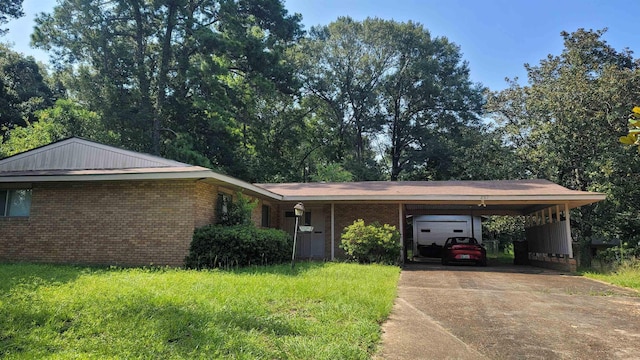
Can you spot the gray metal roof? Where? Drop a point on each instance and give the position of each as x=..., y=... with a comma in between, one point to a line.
x=80, y=154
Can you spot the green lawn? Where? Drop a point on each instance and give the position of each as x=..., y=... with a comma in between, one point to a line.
x=627, y=275
x=317, y=311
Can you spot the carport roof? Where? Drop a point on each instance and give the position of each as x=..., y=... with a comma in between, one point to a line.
x=488, y=197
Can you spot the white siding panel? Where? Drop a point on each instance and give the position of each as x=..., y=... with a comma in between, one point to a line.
x=548, y=239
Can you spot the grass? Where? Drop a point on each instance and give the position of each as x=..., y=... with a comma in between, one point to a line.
x=501, y=257
x=317, y=311
x=627, y=274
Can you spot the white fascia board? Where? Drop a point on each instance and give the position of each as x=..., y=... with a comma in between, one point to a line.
x=245, y=185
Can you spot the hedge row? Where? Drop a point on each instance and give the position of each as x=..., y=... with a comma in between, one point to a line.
x=218, y=246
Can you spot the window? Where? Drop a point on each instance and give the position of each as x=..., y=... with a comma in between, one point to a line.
x=222, y=205
x=15, y=202
x=266, y=216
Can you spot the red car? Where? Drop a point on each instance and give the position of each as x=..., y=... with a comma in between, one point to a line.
x=464, y=249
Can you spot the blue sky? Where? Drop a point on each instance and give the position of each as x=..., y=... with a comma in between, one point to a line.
x=497, y=37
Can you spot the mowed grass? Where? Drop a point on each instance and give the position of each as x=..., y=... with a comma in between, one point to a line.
x=317, y=311
x=627, y=275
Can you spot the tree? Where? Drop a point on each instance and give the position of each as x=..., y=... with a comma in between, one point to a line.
x=23, y=89
x=565, y=125
x=388, y=84
x=156, y=70
x=65, y=119
x=9, y=9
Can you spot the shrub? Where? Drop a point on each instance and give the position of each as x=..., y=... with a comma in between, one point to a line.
x=238, y=211
x=217, y=246
x=372, y=243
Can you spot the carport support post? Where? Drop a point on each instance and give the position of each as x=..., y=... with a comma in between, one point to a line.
x=567, y=228
x=401, y=229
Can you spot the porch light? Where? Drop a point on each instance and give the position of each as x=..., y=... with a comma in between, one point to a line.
x=298, y=211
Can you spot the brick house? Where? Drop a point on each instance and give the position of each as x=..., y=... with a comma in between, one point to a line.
x=78, y=201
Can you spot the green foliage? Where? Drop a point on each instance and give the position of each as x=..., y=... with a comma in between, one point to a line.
x=373, y=243
x=317, y=311
x=626, y=273
x=23, y=89
x=65, y=119
x=218, y=246
x=505, y=229
x=238, y=211
x=634, y=129
x=331, y=173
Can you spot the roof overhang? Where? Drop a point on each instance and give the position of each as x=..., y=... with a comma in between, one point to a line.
x=164, y=173
x=465, y=204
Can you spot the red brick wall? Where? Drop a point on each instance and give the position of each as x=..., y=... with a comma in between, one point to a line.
x=117, y=223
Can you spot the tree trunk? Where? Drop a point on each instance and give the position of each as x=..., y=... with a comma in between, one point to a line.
x=162, y=75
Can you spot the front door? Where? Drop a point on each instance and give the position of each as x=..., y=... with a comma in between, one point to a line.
x=309, y=245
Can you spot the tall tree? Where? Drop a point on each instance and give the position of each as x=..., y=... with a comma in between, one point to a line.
x=566, y=124
x=172, y=73
x=388, y=84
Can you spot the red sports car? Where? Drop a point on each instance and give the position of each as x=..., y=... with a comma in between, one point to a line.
x=464, y=249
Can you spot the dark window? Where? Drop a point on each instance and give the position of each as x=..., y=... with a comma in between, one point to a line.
x=266, y=216
x=307, y=218
x=3, y=202
x=15, y=202
x=289, y=214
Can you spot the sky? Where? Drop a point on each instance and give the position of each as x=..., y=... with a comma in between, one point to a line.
x=496, y=37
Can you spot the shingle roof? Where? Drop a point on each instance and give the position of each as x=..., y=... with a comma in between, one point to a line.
x=486, y=197
x=415, y=188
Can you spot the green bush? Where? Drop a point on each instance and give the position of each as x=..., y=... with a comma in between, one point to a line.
x=238, y=211
x=217, y=246
x=372, y=243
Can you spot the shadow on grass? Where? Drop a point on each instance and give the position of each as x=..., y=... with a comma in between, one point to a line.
x=32, y=276
x=142, y=326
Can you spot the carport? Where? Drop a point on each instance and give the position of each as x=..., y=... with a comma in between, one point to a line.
x=546, y=207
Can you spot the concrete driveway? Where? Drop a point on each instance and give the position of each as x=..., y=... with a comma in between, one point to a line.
x=508, y=312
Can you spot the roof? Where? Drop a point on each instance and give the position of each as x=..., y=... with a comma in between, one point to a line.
x=508, y=196
x=80, y=154
x=421, y=188
x=76, y=159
